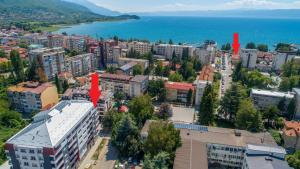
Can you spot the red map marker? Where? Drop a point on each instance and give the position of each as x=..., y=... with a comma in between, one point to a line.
x=95, y=92
x=235, y=44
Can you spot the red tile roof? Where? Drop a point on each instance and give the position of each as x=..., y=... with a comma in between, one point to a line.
x=179, y=86
x=207, y=73
x=291, y=128
x=115, y=76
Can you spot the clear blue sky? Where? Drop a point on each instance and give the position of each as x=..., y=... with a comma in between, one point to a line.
x=177, y=5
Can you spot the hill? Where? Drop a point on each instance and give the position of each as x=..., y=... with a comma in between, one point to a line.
x=31, y=14
x=95, y=8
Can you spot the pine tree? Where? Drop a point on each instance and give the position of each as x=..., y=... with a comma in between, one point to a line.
x=206, y=111
x=190, y=96
x=17, y=65
x=58, y=84
x=31, y=74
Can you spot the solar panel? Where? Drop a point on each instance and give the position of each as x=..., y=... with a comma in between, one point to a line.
x=191, y=127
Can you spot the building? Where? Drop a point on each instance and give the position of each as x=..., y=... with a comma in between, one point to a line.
x=55, y=41
x=258, y=156
x=205, y=54
x=178, y=91
x=281, y=58
x=105, y=103
x=127, y=69
x=206, y=77
x=76, y=43
x=57, y=138
x=140, y=47
x=143, y=62
x=248, y=58
x=291, y=135
x=297, y=101
x=204, y=147
x=167, y=50
x=116, y=83
x=32, y=96
x=109, y=53
x=50, y=60
x=263, y=99
x=138, y=85
x=81, y=64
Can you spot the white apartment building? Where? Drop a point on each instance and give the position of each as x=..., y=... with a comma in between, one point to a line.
x=55, y=41
x=262, y=99
x=57, y=138
x=167, y=50
x=81, y=64
x=248, y=58
x=138, y=85
x=140, y=47
x=204, y=55
x=75, y=43
x=51, y=60
x=297, y=100
x=281, y=58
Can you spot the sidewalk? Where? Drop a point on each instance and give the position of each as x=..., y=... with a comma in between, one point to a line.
x=88, y=158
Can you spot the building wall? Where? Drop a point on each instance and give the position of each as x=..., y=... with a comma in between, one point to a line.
x=248, y=58
x=171, y=95
x=264, y=101
x=281, y=58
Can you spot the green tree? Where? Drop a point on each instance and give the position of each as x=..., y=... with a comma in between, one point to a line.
x=166, y=71
x=141, y=108
x=159, y=69
x=171, y=42
x=137, y=70
x=165, y=111
x=248, y=118
x=226, y=47
x=186, y=70
x=110, y=119
x=270, y=114
x=65, y=85
x=185, y=54
x=231, y=101
x=156, y=88
x=236, y=75
x=133, y=53
x=294, y=160
x=2, y=53
x=291, y=109
x=173, y=61
x=125, y=137
x=162, y=137
x=31, y=73
x=281, y=105
x=206, y=111
x=58, y=84
x=251, y=45
x=17, y=65
x=263, y=47
x=197, y=65
x=290, y=68
x=175, y=77
x=283, y=47
x=111, y=69
x=159, y=161
x=190, y=96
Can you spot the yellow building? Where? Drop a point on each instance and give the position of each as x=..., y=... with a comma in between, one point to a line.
x=32, y=96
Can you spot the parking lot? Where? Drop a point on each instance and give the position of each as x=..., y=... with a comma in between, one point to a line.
x=183, y=114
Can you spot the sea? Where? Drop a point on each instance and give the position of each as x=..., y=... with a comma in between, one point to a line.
x=195, y=30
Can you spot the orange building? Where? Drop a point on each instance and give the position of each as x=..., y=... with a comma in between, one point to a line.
x=178, y=91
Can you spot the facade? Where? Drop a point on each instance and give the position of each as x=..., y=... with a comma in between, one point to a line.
x=205, y=54
x=31, y=96
x=257, y=156
x=178, y=91
x=206, y=77
x=55, y=41
x=204, y=147
x=116, y=83
x=167, y=50
x=127, y=68
x=109, y=53
x=281, y=58
x=76, y=43
x=141, y=47
x=262, y=99
x=57, y=138
x=143, y=62
x=51, y=60
x=138, y=85
x=248, y=58
x=291, y=135
x=297, y=101
x=81, y=64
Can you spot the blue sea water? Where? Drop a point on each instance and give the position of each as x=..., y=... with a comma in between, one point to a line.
x=194, y=30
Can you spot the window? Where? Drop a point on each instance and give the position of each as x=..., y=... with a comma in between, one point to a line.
x=26, y=164
x=24, y=157
x=31, y=151
x=34, y=165
x=39, y=151
x=23, y=150
x=33, y=158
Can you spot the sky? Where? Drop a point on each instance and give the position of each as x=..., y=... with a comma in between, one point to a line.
x=189, y=5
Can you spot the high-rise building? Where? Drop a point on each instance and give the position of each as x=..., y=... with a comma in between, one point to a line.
x=140, y=47
x=248, y=58
x=56, y=138
x=81, y=64
x=281, y=58
x=55, y=41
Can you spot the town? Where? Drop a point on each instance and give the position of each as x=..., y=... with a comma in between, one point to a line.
x=162, y=105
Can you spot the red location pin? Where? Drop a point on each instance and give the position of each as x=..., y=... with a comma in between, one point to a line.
x=95, y=92
x=235, y=44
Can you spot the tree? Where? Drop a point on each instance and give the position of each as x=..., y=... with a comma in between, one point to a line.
x=31, y=73
x=159, y=161
x=185, y=54
x=110, y=119
x=2, y=53
x=206, y=111
x=236, y=75
x=159, y=69
x=137, y=70
x=58, y=84
x=175, y=77
x=281, y=105
x=17, y=65
x=162, y=137
x=294, y=160
x=173, y=61
x=283, y=47
x=186, y=70
x=251, y=45
x=111, y=69
x=171, y=42
x=141, y=108
x=231, y=101
x=190, y=96
x=166, y=71
x=133, y=53
x=165, y=111
x=248, y=118
x=65, y=85
x=291, y=109
x=263, y=47
x=156, y=88
x=270, y=114
x=119, y=96
x=197, y=65
x=125, y=137
x=290, y=68
x=226, y=47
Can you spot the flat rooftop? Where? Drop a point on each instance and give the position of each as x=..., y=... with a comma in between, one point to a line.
x=51, y=126
x=272, y=93
x=32, y=87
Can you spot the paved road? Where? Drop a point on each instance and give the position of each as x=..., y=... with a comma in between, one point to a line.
x=108, y=158
x=88, y=158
